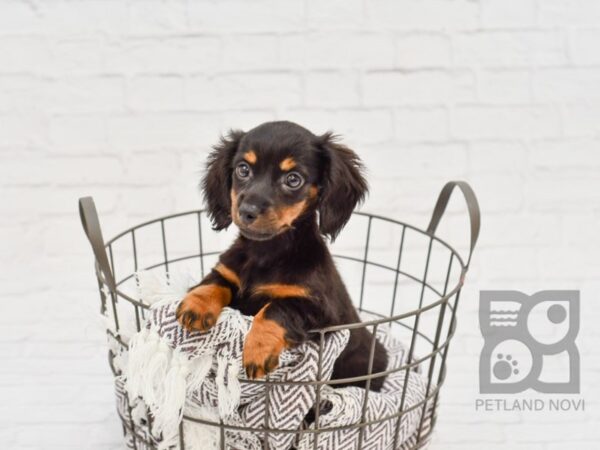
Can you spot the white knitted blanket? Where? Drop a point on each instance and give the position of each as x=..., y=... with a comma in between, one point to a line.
x=169, y=372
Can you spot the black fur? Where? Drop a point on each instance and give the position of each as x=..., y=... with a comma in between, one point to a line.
x=294, y=255
x=343, y=185
x=217, y=182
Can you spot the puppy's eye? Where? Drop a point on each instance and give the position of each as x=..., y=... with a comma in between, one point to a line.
x=294, y=180
x=243, y=170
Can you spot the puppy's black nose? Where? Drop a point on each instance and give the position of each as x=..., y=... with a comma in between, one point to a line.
x=248, y=213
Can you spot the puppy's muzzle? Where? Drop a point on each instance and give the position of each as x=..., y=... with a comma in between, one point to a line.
x=252, y=205
x=248, y=212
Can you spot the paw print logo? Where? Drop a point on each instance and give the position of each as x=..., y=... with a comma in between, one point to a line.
x=524, y=337
x=505, y=367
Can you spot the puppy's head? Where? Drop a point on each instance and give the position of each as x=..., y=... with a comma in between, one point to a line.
x=268, y=178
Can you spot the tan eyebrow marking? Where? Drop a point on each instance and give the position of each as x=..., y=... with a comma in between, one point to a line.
x=287, y=163
x=250, y=156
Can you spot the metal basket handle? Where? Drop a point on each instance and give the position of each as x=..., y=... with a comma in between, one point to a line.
x=91, y=226
x=472, y=206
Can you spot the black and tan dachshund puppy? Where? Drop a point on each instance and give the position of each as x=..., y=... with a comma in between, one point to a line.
x=285, y=188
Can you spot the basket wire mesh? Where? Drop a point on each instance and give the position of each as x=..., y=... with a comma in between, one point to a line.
x=431, y=322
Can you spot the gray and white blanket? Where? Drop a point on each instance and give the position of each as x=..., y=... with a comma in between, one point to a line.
x=169, y=372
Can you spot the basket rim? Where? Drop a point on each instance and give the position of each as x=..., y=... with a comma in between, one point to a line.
x=201, y=211
x=443, y=299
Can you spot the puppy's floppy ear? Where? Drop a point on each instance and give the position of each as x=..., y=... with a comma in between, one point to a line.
x=343, y=185
x=217, y=180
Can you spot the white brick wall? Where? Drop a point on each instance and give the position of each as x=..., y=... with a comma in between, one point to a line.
x=121, y=99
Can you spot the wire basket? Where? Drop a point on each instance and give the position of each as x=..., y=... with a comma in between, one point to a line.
x=401, y=278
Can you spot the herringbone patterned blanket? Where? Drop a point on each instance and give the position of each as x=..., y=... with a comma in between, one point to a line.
x=169, y=372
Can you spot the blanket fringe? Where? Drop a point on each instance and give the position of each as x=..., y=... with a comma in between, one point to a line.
x=158, y=375
x=198, y=372
x=163, y=377
x=229, y=393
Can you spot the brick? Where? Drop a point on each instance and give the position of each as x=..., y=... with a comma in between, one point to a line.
x=169, y=55
x=363, y=127
x=155, y=16
x=140, y=200
x=427, y=160
x=566, y=85
x=428, y=87
x=244, y=91
x=474, y=445
x=331, y=89
x=489, y=433
x=68, y=436
x=82, y=95
x=565, y=156
x=508, y=13
x=156, y=93
x=582, y=46
x=423, y=51
x=24, y=55
x=338, y=14
x=504, y=48
x=568, y=12
x=160, y=131
x=477, y=122
x=110, y=17
x=31, y=171
x=580, y=119
x=563, y=433
x=523, y=265
x=574, y=234
x=246, y=120
x=499, y=157
x=19, y=240
x=80, y=56
x=56, y=236
x=29, y=203
x=158, y=168
x=523, y=229
x=250, y=52
x=256, y=17
x=581, y=445
x=76, y=133
x=566, y=192
x=419, y=15
x=502, y=192
x=504, y=86
x=337, y=50
x=18, y=18
x=15, y=130
x=317, y=120
x=422, y=124
x=22, y=94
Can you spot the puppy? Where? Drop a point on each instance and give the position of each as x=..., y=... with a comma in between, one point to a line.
x=285, y=189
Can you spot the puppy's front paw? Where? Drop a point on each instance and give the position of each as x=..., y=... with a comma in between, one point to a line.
x=200, y=308
x=260, y=358
x=262, y=348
